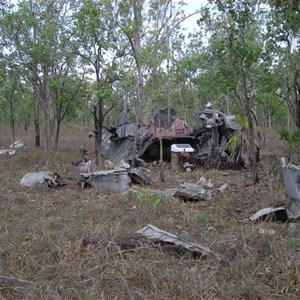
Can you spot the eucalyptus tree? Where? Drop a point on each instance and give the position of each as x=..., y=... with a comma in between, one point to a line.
x=68, y=94
x=283, y=36
x=149, y=27
x=38, y=42
x=97, y=52
x=236, y=44
x=10, y=97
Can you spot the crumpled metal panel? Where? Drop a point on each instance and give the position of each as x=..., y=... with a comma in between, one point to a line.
x=114, y=180
x=213, y=118
x=195, y=192
x=277, y=213
x=291, y=177
x=154, y=233
x=126, y=130
x=43, y=177
x=122, y=149
x=122, y=118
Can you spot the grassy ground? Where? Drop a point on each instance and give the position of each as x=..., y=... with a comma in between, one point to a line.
x=41, y=232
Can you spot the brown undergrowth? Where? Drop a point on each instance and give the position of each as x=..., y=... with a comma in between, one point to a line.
x=41, y=232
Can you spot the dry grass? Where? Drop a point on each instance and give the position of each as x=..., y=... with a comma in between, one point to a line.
x=41, y=233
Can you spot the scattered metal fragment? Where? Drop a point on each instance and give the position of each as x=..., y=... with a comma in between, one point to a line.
x=266, y=231
x=84, y=166
x=109, y=165
x=85, y=163
x=151, y=236
x=48, y=178
x=7, y=151
x=205, y=183
x=188, y=167
x=116, y=180
x=223, y=187
x=291, y=177
x=166, y=239
x=202, y=190
x=17, y=145
x=139, y=176
x=271, y=213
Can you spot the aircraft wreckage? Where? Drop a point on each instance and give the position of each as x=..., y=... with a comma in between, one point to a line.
x=209, y=138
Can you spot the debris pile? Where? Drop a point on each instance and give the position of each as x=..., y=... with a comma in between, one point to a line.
x=210, y=138
x=19, y=144
x=213, y=135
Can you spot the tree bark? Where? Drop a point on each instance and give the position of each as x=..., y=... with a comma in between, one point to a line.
x=36, y=116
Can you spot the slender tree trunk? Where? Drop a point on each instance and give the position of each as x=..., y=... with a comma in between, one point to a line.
x=251, y=138
x=36, y=117
x=100, y=126
x=297, y=99
x=12, y=121
x=136, y=49
x=161, y=153
x=48, y=113
x=35, y=91
x=97, y=135
x=58, y=123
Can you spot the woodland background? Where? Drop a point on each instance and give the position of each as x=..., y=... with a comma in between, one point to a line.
x=83, y=62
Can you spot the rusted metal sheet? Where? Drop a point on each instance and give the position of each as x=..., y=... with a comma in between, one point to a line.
x=177, y=128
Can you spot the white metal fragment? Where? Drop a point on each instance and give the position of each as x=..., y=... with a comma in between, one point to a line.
x=34, y=178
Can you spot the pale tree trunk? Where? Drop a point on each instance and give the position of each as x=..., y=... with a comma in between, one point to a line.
x=48, y=111
x=288, y=118
x=35, y=91
x=297, y=98
x=57, y=132
x=161, y=153
x=135, y=43
x=36, y=116
x=12, y=118
x=245, y=103
x=251, y=137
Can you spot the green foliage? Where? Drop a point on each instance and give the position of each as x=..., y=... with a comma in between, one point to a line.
x=292, y=139
x=282, y=42
x=148, y=197
x=241, y=50
x=233, y=142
